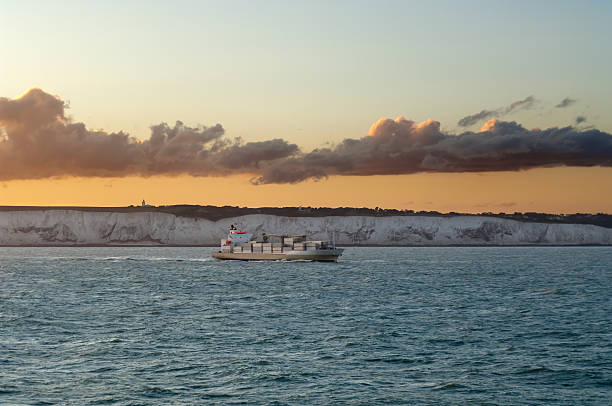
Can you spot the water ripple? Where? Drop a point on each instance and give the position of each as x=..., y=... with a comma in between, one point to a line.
x=153, y=326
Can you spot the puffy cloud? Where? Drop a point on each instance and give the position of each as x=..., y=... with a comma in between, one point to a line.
x=37, y=140
x=489, y=125
x=472, y=119
x=32, y=110
x=565, y=102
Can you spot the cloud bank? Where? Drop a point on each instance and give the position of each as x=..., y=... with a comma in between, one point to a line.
x=39, y=141
x=402, y=147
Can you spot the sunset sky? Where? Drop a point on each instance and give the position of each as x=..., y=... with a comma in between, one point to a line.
x=467, y=106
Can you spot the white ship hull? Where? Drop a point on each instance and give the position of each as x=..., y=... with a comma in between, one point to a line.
x=328, y=255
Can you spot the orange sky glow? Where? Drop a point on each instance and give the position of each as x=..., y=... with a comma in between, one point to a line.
x=555, y=190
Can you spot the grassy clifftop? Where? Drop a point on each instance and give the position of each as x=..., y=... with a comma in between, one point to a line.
x=221, y=212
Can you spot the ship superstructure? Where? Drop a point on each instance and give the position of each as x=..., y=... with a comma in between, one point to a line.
x=241, y=245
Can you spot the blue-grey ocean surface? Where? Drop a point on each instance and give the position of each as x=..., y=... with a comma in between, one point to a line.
x=143, y=326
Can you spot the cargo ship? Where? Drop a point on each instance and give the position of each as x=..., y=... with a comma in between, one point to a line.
x=240, y=245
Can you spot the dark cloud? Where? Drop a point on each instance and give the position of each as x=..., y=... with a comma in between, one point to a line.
x=475, y=118
x=565, y=102
x=499, y=146
x=38, y=141
x=524, y=104
x=580, y=119
x=472, y=119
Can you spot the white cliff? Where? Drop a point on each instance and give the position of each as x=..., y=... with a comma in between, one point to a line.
x=74, y=227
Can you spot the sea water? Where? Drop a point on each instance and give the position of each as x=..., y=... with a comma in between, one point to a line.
x=147, y=326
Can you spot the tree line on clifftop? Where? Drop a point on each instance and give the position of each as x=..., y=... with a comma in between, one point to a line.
x=221, y=212
x=216, y=213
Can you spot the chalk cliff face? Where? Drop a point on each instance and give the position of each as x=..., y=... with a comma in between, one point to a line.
x=74, y=227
